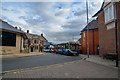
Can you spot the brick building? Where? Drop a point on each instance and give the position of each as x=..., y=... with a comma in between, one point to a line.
x=93, y=38
x=106, y=25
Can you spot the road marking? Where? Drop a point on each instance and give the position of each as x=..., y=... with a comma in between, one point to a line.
x=2, y=72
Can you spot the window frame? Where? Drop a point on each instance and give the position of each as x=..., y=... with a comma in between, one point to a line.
x=107, y=13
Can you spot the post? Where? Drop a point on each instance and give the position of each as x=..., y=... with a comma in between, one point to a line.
x=116, y=35
x=87, y=29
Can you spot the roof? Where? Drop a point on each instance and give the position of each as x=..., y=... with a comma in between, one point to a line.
x=5, y=26
x=43, y=38
x=30, y=36
x=92, y=25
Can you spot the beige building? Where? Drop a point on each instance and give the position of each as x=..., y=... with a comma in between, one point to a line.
x=11, y=39
x=35, y=43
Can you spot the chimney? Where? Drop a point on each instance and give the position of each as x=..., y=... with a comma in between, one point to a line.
x=27, y=31
x=41, y=34
x=20, y=29
x=16, y=27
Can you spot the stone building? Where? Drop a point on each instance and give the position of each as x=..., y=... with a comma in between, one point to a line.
x=35, y=43
x=11, y=39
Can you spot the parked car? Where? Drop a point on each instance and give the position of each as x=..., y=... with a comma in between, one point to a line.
x=52, y=51
x=69, y=52
x=60, y=51
x=55, y=50
x=46, y=50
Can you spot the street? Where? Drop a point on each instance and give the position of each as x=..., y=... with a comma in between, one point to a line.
x=36, y=61
x=56, y=66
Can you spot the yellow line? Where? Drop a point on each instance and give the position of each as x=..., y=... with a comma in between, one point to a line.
x=39, y=67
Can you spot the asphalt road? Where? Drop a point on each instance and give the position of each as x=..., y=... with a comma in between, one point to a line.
x=36, y=61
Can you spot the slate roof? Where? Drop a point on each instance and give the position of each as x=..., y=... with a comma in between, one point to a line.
x=43, y=38
x=92, y=25
x=5, y=26
x=30, y=36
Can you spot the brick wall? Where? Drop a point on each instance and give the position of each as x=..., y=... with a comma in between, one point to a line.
x=106, y=37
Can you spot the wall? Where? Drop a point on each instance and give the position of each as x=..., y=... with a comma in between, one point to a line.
x=96, y=42
x=10, y=49
x=106, y=36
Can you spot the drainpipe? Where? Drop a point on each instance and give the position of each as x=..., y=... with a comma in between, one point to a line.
x=116, y=35
x=93, y=43
x=21, y=45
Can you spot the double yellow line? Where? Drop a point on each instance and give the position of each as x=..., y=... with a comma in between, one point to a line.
x=3, y=72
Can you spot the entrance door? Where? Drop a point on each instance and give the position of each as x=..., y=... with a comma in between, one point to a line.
x=31, y=49
x=97, y=49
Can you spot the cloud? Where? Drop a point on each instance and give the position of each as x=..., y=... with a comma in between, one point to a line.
x=58, y=21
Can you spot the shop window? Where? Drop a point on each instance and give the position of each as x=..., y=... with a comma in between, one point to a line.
x=8, y=39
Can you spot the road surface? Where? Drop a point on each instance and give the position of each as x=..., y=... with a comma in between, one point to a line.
x=36, y=61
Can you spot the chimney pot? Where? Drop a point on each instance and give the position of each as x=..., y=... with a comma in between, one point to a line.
x=16, y=27
x=27, y=31
x=41, y=34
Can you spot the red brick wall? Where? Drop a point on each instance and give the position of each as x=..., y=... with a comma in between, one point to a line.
x=106, y=37
x=96, y=42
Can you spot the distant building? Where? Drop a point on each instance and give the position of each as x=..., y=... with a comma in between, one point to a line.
x=11, y=39
x=106, y=25
x=80, y=46
x=35, y=43
x=93, y=38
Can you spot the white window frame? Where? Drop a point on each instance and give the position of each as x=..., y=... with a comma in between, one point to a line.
x=107, y=15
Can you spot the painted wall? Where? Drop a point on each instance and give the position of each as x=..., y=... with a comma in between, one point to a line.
x=93, y=42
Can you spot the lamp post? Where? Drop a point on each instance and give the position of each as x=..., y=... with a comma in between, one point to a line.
x=87, y=29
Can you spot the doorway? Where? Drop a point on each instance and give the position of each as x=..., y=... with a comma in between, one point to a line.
x=31, y=49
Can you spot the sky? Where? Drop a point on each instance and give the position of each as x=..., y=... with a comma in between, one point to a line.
x=58, y=21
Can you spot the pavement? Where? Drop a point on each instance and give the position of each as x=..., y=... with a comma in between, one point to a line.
x=99, y=60
x=21, y=55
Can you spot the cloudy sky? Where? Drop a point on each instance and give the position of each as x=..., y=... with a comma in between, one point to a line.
x=58, y=21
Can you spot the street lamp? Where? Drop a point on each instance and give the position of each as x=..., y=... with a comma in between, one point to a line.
x=87, y=29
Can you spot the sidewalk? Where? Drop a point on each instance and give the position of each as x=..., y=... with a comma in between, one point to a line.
x=21, y=55
x=98, y=60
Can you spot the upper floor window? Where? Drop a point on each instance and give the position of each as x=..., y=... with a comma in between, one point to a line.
x=35, y=41
x=109, y=12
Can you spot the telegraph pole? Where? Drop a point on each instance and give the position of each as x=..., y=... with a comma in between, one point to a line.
x=87, y=29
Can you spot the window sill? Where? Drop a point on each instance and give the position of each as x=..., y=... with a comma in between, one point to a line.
x=113, y=20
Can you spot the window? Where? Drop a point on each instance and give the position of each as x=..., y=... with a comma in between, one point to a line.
x=8, y=39
x=109, y=12
x=83, y=36
x=35, y=41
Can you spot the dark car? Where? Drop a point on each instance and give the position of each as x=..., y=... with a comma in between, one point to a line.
x=69, y=52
